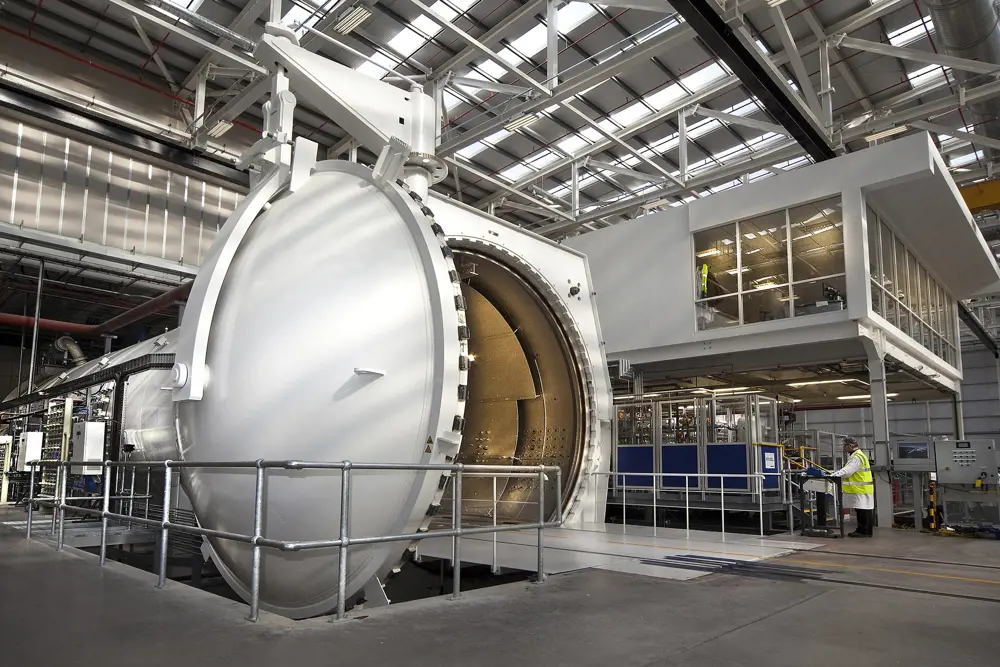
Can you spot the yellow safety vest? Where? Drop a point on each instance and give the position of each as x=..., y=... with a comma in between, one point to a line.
x=861, y=482
x=703, y=274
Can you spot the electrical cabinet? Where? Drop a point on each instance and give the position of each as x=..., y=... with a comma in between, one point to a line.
x=87, y=447
x=965, y=461
x=29, y=449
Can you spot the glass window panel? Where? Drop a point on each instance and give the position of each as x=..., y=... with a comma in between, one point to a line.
x=718, y=313
x=874, y=265
x=878, y=297
x=820, y=296
x=764, y=305
x=888, y=260
x=763, y=251
x=942, y=324
x=904, y=320
x=925, y=336
x=902, y=293
x=913, y=283
x=938, y=345
x=923, y=299
x=817, y=239
x=949, y=313
x=715, y=261
x=891, y=313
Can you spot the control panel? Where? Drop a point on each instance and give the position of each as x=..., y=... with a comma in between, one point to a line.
x=913, y=455
x=966, y=461
x=87, y=447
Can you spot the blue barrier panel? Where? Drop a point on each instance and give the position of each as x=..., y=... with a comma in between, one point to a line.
x=727, y=459
x=679, y=459
x=770, y=462
x=635, y=459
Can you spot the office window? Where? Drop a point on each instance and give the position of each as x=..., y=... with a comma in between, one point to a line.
x=817, y=233
x=909, y=297
x=874, y=256
x=746, y=272
x=716, y=262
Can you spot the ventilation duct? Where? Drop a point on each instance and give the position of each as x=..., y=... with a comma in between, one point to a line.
x=969, y=29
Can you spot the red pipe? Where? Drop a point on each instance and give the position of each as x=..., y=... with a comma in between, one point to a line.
x=154, y=305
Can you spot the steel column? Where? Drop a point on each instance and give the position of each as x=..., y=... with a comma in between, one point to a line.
x=164, y=531
x=345, y=528
x=456, y=545
x=34, y=331
x=552, y=43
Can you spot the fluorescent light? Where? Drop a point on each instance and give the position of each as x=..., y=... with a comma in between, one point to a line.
x=861, y=397
x=815, y=382
x=723, y=390
x=708, y=253
x=220, y=129
x=775, y=3
x=521, y=121
x=892, y=131
x=351, y=19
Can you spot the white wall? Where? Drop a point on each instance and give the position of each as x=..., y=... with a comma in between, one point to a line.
x=643, y=272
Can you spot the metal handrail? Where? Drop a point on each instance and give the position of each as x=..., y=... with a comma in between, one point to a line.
x=258, y=541
x=759, y=491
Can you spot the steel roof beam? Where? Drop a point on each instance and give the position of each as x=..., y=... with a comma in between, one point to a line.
x=491, y=37
x=971, y=137
x=246, y=18
x=795, y=59
x=464, y=164
x=739, y=120
x=624, y=171
x=757, y=73
x=845, y=71
x=916, y=55
x=230, y=56
x=571, y=87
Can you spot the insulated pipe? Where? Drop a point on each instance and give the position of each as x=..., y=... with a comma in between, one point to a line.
x=128, y=317
x=35, y=324
x=72, y=348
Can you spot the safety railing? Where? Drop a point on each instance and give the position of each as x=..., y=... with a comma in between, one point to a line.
x=60, y=504
x=758, y=491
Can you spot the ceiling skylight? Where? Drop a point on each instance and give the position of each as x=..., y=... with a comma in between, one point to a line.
x=911, y=33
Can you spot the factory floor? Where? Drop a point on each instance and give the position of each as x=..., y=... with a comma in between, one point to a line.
x=61, y=609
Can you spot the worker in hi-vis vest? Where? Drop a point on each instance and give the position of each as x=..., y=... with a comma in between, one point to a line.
x=859, y=487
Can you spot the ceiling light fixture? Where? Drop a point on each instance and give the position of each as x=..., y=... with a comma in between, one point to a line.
x=520, y=122
x=775, y=3
x=711, y=252
x=351, y=19
x=884, y=134
x=220, y=129
x=810, y=383
x=861, y=397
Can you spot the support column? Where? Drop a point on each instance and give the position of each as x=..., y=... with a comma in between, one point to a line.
x=682, y=145
x=552, y=50
x=959, y=415
x=880, y=430
x=575, y=197
x=825, y=87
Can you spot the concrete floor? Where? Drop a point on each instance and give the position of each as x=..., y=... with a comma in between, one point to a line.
x=60, y=608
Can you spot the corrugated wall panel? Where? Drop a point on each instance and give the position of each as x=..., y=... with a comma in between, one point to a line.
x=68, y=187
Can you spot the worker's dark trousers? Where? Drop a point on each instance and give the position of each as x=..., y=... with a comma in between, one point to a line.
x=866, y=521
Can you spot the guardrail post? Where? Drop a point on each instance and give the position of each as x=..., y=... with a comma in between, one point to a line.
x=722, y=504
x=456, y=545
x=62, y=505
x=760, y=503
x=345, y=540
x=55, y=493
x=559, y=496
x=258, y=505
x=541, y=527
x=105, y=508
x=131, y=496
x=687, y=506
x=31, y=500
x=164, y=530
x=495, y=569
x=655, y=492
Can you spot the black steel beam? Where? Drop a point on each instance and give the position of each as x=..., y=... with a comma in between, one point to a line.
x=719, y=37
x=976, y=327
x=49, y=111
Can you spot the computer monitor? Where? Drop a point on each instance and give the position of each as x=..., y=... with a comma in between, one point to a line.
x=913, y=455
